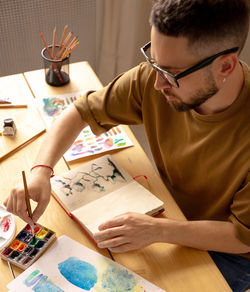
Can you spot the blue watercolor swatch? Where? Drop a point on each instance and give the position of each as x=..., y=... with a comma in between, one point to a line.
x=45, y=285
x=78, y=273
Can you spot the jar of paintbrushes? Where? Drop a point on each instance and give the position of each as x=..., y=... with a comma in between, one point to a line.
x=57, y=57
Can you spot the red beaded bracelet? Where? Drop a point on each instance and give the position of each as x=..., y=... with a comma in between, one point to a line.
x=43, y=165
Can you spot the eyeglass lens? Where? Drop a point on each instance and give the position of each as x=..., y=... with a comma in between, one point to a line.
x=171, y=80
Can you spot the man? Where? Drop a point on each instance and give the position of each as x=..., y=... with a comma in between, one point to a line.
x=193, y=96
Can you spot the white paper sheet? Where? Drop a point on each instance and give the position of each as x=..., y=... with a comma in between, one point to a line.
x=70, y=266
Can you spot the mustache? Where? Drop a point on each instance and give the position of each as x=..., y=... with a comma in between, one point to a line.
x=166, y=92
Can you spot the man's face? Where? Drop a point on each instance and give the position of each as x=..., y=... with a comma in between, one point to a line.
x=172, y=55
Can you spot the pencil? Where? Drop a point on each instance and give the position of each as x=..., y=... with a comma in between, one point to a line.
x=8, y=105
x=64, y=45
x=45, y=44
x=70, y=48
x=62, y=39
x=67, y=51
x=54, y=43
x=72, y=43
x=27, y=199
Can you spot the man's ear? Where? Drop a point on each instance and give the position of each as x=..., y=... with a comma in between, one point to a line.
x=227, y=65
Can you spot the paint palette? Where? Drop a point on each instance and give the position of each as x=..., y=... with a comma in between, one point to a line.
x=7, y=227
x=25, y=249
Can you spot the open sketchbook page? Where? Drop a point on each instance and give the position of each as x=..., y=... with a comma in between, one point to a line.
x=89, y=182
x=70, y=266
x=130, y=198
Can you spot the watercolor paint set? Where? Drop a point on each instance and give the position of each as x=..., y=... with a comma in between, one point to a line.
x=26, y=248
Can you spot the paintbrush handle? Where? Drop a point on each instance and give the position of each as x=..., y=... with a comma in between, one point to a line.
x=27, y=199
x=21, y=145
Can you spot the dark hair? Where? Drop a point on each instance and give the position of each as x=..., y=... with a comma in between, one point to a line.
x=219, y=23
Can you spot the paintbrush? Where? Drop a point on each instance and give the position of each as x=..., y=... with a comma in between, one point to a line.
x=27, y=199
x=11, y=270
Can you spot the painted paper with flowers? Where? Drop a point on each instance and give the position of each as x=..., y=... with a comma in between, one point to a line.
x=70, y=266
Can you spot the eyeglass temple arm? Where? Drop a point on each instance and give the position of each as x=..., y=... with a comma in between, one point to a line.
x=206, y=62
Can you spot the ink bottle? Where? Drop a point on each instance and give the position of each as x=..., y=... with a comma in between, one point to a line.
x=9, y=127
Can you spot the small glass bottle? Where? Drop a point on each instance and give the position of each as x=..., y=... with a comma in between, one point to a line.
x=9, y=127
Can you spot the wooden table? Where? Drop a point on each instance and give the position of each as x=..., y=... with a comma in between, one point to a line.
x=168, y=266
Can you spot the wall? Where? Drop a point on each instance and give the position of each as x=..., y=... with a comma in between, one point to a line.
x=245, y=54
x=21, y=21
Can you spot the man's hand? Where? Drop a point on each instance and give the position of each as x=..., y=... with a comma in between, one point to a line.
x=126, y=232
x=39, y=191
x=132, y=231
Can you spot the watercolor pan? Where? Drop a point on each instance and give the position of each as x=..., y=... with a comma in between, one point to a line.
x=25, y=249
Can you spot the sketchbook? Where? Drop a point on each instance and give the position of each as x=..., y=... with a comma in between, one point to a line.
x=86, y=144
x=100, y=190
x=70, y=266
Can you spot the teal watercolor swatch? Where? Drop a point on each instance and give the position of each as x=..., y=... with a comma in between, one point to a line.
x=78, y=273
x=42, y=283
x=32, y=278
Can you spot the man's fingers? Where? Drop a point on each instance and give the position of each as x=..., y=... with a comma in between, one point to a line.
x=15, y=204
x=40, y=208
x=108, y=233
x=20, y=203
x=10, y=202
x=26, y=218
x=114, y=242
x=114, y=222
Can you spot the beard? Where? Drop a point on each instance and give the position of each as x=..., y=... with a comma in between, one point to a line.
x=197, y=98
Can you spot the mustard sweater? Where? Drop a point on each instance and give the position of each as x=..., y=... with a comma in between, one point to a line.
x=204, y=160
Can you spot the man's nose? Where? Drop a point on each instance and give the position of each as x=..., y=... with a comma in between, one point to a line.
x=161, y=82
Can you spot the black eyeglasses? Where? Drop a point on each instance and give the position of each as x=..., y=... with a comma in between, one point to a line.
x=173, y=79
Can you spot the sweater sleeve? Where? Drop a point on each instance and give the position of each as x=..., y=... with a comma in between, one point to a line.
x=117, y=103
x=240, y=212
